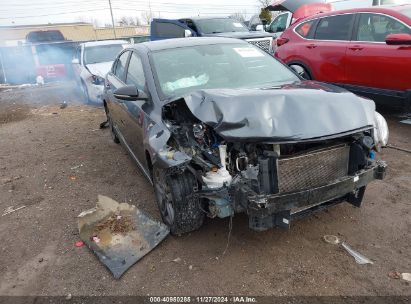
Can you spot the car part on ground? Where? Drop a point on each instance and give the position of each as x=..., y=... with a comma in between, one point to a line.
x=119, y=234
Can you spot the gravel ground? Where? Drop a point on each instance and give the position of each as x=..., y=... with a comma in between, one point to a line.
x=56, y=161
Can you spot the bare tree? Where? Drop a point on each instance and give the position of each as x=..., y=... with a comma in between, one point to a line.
x=264, y=3
x=129, y=21
x=147, y=17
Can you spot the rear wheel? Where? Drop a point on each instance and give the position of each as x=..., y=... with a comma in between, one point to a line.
x=303, y=72
x=180, y=211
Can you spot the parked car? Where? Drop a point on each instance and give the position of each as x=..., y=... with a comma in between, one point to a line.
x=45, y=36
x=293, y=10
x=219, y=126
x=367, y=51
x=91, y=63
x=210, y=27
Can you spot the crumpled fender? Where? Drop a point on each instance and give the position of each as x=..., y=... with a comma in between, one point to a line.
x=162, y=155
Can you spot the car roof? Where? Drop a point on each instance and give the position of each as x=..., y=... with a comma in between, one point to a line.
x=374, y=9
x=185, y=42
x=104, y=42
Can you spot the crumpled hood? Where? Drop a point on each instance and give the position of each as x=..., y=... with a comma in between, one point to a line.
x=302, y=111
x=100, y=69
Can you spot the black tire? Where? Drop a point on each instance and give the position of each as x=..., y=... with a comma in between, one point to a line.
x=180, y=212
x=302, y=71
x=112, y=130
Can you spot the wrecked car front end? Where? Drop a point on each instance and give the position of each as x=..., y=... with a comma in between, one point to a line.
x=273, y=154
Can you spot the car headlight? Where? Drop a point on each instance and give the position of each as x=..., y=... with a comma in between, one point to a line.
x=97, y=80
x=381, y=132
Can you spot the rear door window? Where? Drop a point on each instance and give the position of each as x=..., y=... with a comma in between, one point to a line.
x=335, y=28
x=305, y=28
x=121, y=66
x=376, y=27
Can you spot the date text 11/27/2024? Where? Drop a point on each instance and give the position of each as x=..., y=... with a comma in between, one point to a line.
x=221, y=299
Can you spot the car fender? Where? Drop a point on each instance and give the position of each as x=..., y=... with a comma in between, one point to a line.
x=162, y=155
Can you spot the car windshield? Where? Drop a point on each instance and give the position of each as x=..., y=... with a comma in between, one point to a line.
x=101, y=53
x=182, y=70
x=223, y=25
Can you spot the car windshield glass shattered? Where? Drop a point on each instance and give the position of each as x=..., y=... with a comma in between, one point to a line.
x=223, y=25
x=102, y=53
x=183, y=70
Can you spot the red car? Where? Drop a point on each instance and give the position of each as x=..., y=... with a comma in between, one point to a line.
x=367, y=51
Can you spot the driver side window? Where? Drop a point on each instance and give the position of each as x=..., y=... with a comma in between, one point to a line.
x=376, y=27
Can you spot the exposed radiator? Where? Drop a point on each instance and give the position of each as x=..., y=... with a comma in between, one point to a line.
x=313, y=169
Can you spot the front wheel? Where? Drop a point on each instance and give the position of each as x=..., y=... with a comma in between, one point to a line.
x=301, y=71
x=111, y=126
x=180, y=210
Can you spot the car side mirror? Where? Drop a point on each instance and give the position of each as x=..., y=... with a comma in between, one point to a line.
x=130, y=92
x=75, y=61
x=398, y=39
x=188, y=33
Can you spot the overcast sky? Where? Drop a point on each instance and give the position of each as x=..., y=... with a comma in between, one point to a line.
x=20, y=12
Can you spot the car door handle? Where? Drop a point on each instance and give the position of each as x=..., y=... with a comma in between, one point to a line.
x=356, y=48
x=311, y=46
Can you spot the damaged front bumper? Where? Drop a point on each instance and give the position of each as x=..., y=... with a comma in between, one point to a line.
x=268, y=211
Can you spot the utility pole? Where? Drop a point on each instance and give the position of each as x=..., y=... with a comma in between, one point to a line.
x=112, y=20
x=151, y=13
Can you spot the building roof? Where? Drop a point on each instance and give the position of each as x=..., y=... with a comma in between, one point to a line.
x=44, y=25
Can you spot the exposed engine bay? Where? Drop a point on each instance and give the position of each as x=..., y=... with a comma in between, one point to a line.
x=230, y=174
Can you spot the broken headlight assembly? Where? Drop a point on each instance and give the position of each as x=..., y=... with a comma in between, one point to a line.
x=97, y=80
x=381, y=132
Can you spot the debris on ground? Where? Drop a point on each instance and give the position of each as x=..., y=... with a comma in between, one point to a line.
x=77, y=167
x=399, y=149
x=69, y=296
x=359, y=258
x=394, y=275
x=407, y=121
x=406, y=276
x=331, y=239
x=63, y=105
x=79, y=244
x=41, y=260
x=119, y=233
x=104, y=125
x=9, y=180
x=177, y=260
x=11, y=210
x=190, y=267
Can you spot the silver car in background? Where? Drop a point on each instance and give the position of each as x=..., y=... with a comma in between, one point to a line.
x=91, y=62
